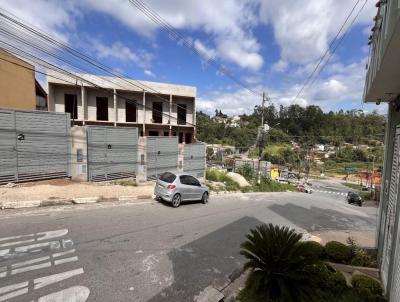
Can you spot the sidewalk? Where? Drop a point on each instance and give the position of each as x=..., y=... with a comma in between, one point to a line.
x=64, y=189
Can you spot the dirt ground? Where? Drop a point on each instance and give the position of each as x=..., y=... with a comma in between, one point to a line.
x=65, y=188
x=364, y=238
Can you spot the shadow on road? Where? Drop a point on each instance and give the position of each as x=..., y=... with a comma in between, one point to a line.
x=317, y=219
x=206, y=261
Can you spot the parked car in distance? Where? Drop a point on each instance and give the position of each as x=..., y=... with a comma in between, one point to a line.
x=304, y=189
x=354, y=198
x=175, y=188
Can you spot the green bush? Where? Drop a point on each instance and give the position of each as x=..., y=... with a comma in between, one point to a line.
x=278, y=266
x=246, y=171
x=219, y=176
x=337, y=282
x=338, y=251
x=366, y=285
x=314, y=249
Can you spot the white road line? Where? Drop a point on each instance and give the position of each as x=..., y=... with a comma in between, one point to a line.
x=45, y=281
x=14, y=294
x=30, y=268
x=21, y=267
x=55, y=255
x=72, y=294
x=52, y=234
x=12, y=287
x=15, y=237
x=17, y=242
x=37, y=237
x=65, y=260
x=19, y=264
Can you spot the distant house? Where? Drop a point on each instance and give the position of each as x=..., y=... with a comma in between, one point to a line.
x=156, y=109
x=319, y=147
x=18, y=86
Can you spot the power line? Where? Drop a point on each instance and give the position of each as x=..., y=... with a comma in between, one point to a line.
x=309, y=78
x=175, y=35
x=46, y=64
x=85, y=58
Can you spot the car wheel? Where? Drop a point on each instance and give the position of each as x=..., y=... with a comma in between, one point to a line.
x=176, y=200
x=204, y=198
x=359, y=204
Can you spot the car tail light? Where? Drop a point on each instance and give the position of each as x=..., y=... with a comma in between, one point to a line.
x=171, y=187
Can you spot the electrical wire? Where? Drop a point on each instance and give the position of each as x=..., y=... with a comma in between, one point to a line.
x=84, y=57
x=175, y=35
x=329, y=48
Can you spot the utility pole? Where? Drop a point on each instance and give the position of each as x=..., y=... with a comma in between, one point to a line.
x=261, y=138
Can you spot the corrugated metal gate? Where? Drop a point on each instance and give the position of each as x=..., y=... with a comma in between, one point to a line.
x=393, y=197
x=33, y=145
x=194, y=160
x=162, y=155
x=112, y=152
x=391, y=210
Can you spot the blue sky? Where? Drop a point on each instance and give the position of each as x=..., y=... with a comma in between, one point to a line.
x=271, y=46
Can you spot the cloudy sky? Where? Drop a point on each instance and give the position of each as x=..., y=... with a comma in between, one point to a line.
x=269, y=45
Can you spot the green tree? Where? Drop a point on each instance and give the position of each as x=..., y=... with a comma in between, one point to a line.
x=278, y=263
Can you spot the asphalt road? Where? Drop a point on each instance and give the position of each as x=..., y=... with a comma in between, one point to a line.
x=148, y=251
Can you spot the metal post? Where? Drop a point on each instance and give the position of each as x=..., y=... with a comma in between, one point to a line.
x=115, y=108
x=261, y=142
x=144, y=113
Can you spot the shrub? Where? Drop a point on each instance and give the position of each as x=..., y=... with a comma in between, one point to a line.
x=338, y=251
x=246, y=171
x=314, y=249
x=367, y=285
x=278, y=265
x=337, y=282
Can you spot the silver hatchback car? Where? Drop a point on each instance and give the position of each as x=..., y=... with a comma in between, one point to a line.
x=176, y=188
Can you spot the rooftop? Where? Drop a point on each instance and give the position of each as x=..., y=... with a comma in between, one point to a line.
x=121, y=83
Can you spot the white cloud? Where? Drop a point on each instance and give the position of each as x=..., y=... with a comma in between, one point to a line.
x=228, y=23
x=53, y=17
x=121, y=52
x=343, y=86
x=303, y=29
x=280, y=66
x=207, y=53
x=149, y=73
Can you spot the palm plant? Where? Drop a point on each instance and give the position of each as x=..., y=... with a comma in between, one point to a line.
x=279, y=265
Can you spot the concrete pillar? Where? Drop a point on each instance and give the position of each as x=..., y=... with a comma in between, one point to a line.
x=170, y=115
x=115, y=108
x=84, y=104
x=194, y=120
x=144, y=113
x=78, y=149
x=141, y=174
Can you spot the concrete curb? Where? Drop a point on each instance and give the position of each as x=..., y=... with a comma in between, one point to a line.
x=68, y=201
x=86, y=200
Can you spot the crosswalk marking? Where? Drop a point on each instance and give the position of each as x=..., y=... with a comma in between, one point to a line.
x=330, y=192
x=58, y=252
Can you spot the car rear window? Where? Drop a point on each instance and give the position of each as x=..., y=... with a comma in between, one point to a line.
x=168, y=177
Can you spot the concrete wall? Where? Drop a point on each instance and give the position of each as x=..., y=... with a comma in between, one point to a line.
x=57, y=98
x=124, y=97
x=17, y=84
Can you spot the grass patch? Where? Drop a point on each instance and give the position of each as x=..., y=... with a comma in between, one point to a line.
x=352, y=186
x=125, y=182
x=268, y=185
x=219, y=176
x=273, y=149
